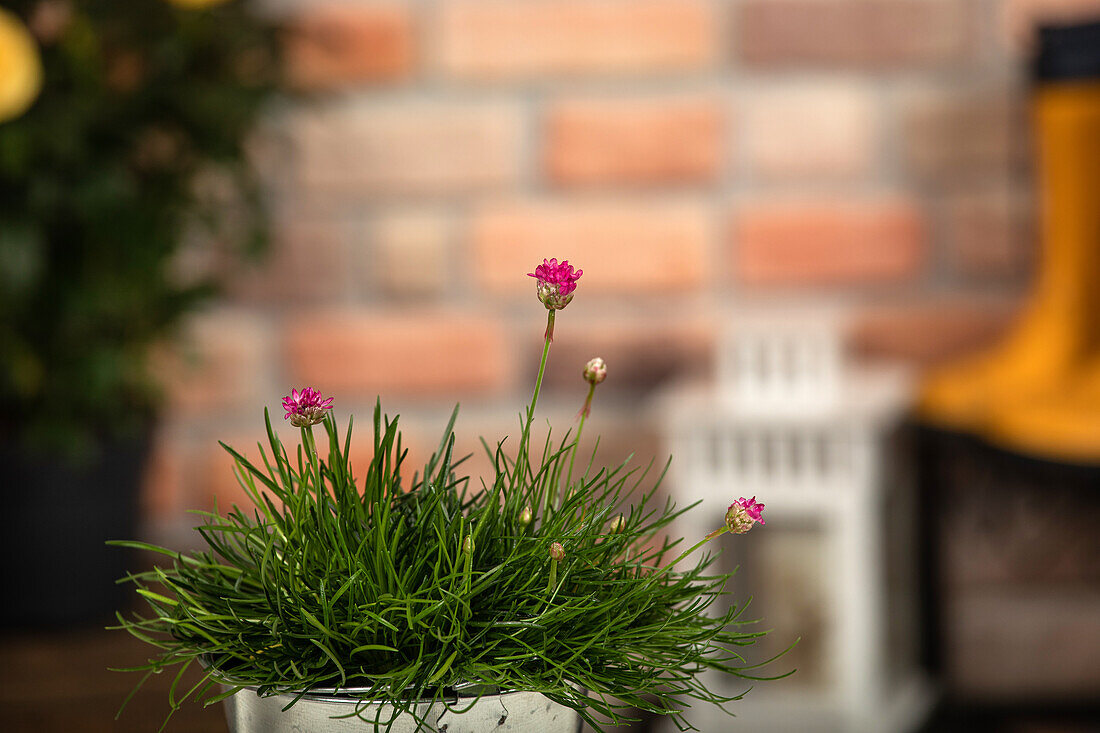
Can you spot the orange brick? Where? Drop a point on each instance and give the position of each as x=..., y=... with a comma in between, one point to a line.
x=221, y=364
x=219, y=482
x=308, y=261
x=844, y=139
x=991, y=234
x=166, y=475
x=406, y=147
x=964, y=134
x=338, y=45
x=846, y=33
x=930, y=332
x=634, y=141
x=469, y=429
x=362, y=448
x=622, y=245
x=622, y=434
x=521, y=39
x=642, y=352
x=619, y=436
x=428, y=354
x=828, y=242
x=411, y=252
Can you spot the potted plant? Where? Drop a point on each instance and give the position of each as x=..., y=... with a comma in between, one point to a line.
x=125, y=194
x=397, y=598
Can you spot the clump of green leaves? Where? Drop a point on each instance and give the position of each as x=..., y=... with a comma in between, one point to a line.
x=398, y=591
x=409, y=588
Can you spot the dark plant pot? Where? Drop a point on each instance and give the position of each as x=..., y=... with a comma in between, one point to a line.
x=57, y=571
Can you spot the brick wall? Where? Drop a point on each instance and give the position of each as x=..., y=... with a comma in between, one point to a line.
x=684, y=153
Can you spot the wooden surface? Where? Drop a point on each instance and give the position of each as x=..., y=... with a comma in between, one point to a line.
x=58, y=682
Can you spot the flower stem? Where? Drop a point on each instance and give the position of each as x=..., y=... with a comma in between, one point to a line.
x=685, y=553
x=549, y=339
x=580, y=430
x=314, y=462
x=696, y=546
x=521, y=457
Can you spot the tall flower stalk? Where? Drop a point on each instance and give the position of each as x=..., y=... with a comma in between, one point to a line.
x=555, y=286
x=595, y=371
x=305, y=409
x=525, y=437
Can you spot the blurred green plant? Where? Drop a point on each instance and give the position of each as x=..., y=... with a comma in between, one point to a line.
x=126, y=194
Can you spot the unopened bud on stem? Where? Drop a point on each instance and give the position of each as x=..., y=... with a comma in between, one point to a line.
x=595, y=371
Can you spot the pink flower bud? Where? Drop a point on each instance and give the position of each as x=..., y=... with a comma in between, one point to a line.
x=305, y=408
x=595, y=371
x=557, y=551
x=525, y=516
x=556, y=283
x=742, y=514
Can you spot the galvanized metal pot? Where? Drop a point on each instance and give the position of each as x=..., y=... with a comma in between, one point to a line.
x=508, y=712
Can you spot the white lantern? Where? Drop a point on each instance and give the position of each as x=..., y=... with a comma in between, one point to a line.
x=807, y=434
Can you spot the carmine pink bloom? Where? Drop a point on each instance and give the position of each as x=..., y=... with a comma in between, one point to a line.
x=556, y=282
x=742, y=514
x=306, y=407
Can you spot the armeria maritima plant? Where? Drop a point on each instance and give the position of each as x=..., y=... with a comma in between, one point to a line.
x=540, y=578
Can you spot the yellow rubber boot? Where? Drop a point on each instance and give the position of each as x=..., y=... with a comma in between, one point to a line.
x=1062, y=426
x=1058, y=329
x=1061, y=421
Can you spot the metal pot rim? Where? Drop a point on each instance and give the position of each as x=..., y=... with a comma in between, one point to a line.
x=347, y=695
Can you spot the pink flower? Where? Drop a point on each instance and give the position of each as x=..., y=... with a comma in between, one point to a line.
x=742, y=514
x=556, y=283
x=557, y=551
x=305, y=408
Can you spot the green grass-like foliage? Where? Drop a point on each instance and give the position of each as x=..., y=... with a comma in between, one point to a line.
x=410, y=588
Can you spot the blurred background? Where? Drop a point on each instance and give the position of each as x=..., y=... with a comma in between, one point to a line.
x=204, y=204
